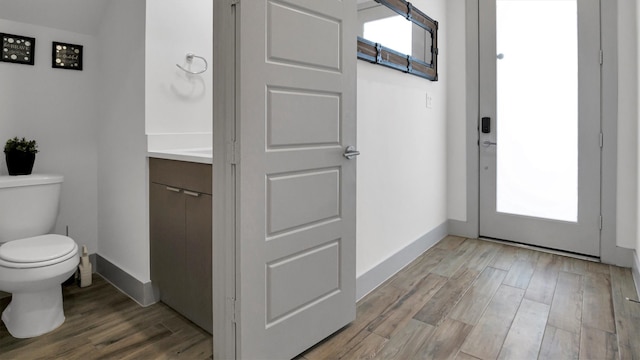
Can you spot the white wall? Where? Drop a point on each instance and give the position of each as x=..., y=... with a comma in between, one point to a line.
x=57, y=108
x=122, y=174
x=402, y=190
x=178, y=103
x=627, y=183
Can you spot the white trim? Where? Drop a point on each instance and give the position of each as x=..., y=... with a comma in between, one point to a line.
x=224, y=213
x=610, y=253
x=635, y=271
x=373, y=278
x=462, y=228
x=472, y=224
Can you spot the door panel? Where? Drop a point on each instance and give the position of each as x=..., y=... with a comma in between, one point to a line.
x=296, y=192
x=291, y=124
x=540, y=85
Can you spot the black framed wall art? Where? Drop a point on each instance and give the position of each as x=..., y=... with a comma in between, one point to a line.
x=17, y=49
x=66, y=56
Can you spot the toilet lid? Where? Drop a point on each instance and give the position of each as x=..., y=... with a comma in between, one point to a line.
x=37, y=249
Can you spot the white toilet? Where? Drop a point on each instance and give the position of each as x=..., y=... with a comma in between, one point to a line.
x=33, y=265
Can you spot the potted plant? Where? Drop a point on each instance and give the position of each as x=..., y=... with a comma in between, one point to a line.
x=20, y=155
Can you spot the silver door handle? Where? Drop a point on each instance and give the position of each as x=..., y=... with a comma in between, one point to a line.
x=350, y=152
x=488, y=143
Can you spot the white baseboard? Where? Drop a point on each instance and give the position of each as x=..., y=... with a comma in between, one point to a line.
x=462, y=229
x=142, y=293
x=373, y=278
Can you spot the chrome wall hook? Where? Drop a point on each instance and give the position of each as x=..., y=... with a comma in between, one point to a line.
x=189, y=58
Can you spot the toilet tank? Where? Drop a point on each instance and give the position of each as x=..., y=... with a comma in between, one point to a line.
x=28, y=205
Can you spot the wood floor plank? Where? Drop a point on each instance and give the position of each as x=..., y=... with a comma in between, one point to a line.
x=528, y=254
x=456, y=259
x=543, y=282
x=597, y=268
x=450, y=242
x=439, y=306
x=368, y=348
x=573, y=265
x=487, y=337
x=465, y=356
x=566, y=308
x=505, y=257
x=475, y=300
x=626, y=313
x=445, y=342
x=559, y=344
x=143, y=337
x=408, y=278
x=520, y=273
x=405, y=343
x=178, y=346
x=597, y=311
x=525, y=335
x=368, y=310
x=398, y=315
x=596, y=344
x=483, y=255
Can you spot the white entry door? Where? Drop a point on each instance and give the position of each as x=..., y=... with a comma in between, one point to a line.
x=540, y=139
x=296, y=191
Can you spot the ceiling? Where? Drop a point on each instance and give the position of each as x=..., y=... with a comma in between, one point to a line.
x=79, y=16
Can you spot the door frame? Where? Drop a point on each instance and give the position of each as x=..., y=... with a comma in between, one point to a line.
x=224, y=180
x=609, y=252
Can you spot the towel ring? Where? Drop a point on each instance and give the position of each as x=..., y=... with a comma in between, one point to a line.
x=190, y=57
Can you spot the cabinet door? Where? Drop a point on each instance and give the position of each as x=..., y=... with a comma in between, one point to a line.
x=168, y=252
x=199, y=269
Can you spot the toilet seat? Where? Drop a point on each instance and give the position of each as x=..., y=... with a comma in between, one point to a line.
x=37, y=251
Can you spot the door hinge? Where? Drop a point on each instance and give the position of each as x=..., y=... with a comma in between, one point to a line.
x=601, y=57
x=232, y=152
x=231, y=302
x=235, y=311
x=600, y=224
x=601, y=140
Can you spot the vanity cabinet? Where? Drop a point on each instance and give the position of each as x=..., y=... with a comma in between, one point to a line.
x=180, y=219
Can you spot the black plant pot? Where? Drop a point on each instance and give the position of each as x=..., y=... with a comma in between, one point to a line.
x=20, y=162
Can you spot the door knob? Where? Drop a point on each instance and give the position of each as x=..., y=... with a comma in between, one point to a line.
x=488, y=143
x=350, y=152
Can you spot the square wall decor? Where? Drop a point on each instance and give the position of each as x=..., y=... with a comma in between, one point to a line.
x=17, y=49
x=66, y=56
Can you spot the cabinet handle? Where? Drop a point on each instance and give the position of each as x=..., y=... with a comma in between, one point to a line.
x=191, y=193
x=173, y=189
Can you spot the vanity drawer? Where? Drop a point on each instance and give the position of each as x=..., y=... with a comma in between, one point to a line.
x=181, y=174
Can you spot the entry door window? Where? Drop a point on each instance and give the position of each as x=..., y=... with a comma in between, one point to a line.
x=537, y=104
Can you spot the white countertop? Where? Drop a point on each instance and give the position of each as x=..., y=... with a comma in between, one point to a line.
x=200, y=155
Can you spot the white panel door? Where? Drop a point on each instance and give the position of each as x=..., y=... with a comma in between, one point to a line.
x=296, y=114
x=540, y=148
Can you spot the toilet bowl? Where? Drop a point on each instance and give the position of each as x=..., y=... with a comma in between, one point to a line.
x=32, y=270
x=33, y=265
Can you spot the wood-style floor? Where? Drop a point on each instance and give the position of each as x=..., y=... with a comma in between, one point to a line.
x=103, y=323
x=462, y=299
x=471, y=299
